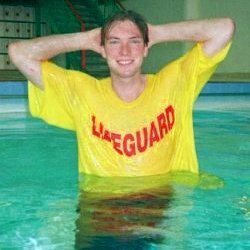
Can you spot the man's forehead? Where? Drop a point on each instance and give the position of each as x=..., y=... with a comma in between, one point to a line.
x=123, y=26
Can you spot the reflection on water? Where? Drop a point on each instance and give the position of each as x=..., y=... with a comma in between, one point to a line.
x=136, y=212
x=122, y=212
x=121, y=219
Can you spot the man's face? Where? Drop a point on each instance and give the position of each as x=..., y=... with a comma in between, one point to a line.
x=124, y=49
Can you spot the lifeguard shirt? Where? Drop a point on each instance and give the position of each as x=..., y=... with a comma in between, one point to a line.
x=149, y=136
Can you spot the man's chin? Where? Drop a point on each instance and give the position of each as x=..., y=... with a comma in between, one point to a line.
x=125, y=73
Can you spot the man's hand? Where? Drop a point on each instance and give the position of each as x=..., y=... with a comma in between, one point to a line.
x=151, y=35
x=94, y=37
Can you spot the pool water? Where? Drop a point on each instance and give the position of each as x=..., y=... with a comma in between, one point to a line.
x=44, y=206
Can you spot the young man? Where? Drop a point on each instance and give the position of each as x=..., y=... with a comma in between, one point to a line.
x=129, y=124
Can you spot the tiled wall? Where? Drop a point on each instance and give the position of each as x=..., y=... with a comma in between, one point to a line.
x=16, y=22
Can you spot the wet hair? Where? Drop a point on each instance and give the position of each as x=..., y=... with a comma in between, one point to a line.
x=124, y=15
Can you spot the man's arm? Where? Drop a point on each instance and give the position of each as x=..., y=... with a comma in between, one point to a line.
x=27, y=55
x=213, y=33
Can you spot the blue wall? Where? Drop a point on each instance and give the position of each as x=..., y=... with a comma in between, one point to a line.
x=20, y=88
x=13, y=88
x=227, y=88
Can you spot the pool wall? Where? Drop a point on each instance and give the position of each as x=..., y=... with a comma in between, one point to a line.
x=20, y=88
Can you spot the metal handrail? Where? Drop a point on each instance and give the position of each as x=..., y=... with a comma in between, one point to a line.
x=118, y=2
x=83, y=28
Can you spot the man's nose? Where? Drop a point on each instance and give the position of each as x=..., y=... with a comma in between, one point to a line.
x=125, y=49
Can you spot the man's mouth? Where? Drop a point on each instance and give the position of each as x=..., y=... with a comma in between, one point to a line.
x=124, y=62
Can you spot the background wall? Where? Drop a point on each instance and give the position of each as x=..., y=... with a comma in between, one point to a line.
x=237, y=65
x=238, y=62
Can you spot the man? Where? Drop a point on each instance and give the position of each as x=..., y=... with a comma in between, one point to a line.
x=129, y=124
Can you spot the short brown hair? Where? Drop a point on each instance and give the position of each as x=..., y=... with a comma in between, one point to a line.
x=124, y=15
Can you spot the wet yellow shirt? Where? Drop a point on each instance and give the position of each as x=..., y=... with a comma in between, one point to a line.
x=148, y=136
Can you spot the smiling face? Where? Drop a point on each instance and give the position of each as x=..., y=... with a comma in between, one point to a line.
x=124, y=49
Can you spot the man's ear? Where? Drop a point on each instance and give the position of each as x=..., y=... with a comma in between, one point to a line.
x=103, y=53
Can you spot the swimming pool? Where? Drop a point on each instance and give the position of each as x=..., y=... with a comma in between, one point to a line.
x=41, y=206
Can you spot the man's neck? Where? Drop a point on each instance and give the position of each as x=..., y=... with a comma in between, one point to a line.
x=129, y=89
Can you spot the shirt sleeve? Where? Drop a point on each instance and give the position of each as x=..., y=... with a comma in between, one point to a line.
x=199, y=67
x=54, y=104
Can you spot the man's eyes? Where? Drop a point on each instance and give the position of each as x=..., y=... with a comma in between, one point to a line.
x=113, y=41
x=132, y=41
x=136, y=41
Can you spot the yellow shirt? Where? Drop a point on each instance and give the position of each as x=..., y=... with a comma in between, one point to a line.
x=148, y=136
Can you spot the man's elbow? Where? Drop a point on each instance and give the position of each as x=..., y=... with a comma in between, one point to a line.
x=13, y=52
x=228, y=28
